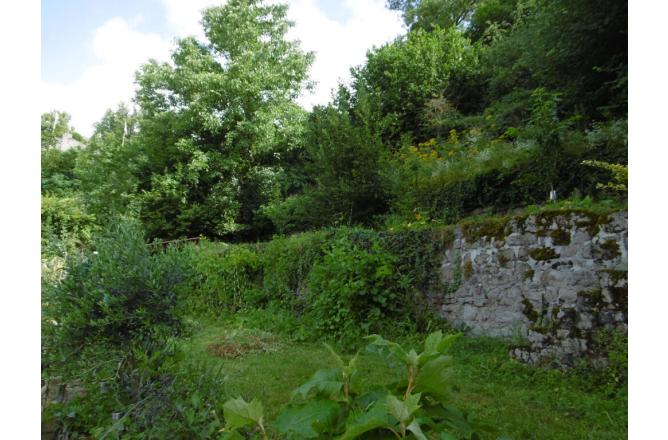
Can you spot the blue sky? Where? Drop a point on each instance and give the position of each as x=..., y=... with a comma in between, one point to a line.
x=68, y=25
x=91, y=49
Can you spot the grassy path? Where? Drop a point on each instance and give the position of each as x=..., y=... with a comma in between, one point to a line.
x=515, y=400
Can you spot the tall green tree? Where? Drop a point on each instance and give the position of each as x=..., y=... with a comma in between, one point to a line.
x=475, y=17
x=217, y=122
x=108, y=168
x=347, y=162
x=402, y=77
x=54, y=126
x=57, y=169
x=427, y=14
x=575, y=47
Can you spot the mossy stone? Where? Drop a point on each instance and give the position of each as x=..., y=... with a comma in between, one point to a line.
x=529, y=274
x=543, y=254
x=594, y=295
x=560, y=237
x=467, y=269
x=488, y=228
x=529, y=311
x=610, y=249
x=616, y=275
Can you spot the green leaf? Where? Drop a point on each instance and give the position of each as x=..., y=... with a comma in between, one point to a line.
x=435, y=345
x=403, y=409
x=376, y=417
x=309, y=420
x=412, y=358
x=394, y=348
x=414, y=427
x=347, y=369
x=431, y=342
x=367, y=399
x=232, y=435
x=239, y=413
x=445, y=343
x=456, y=420
x=434, y=377
x=447, y=436
x=335, y=355
x=325, y=382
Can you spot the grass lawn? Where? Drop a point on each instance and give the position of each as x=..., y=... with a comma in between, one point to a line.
x=515, y=400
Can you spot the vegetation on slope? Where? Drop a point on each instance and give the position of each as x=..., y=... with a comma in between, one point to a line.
x=482, y=108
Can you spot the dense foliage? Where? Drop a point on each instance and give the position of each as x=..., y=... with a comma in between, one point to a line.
x=483, y=106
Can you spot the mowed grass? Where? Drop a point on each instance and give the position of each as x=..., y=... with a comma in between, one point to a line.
x=515, y=400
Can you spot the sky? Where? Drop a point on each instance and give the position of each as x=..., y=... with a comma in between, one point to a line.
x=91, y=49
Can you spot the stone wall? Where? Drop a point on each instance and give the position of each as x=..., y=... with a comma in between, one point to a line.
x=557, y=280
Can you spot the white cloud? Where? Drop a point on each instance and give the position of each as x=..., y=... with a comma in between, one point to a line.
x=340, y=46
x=184, y=16
x=120, y=49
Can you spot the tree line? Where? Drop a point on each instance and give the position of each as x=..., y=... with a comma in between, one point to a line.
x=481, y=104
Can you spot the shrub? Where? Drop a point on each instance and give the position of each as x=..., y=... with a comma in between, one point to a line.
x=155, y=392
x=118, y=294
x=286, y=263
x=354, y=289
x=296, y=213
x=65, y=222
x=612, y=377
x=225, y=278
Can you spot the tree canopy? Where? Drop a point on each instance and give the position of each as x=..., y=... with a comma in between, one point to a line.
x=481, y=104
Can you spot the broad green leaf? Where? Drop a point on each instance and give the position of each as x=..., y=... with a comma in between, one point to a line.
x=434, y=377
x=431, y=342
x=435, y=345
x=351, y=368
x=445, y=343
x=403, y=409
x=309, y=420
x=232, y=435
x=447, y=436
x=348, y=369
x=325, y=382
x=393, y=347
x=365, y=400
x=457, y=421
x=376, y=417
x=239, y=413
x=412, y=358
x=414, y=427
x=335, y=355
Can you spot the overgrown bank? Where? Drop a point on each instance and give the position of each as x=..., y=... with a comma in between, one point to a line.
x=115, y=321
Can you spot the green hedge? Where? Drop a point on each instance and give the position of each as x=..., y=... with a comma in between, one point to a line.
x=337, y=282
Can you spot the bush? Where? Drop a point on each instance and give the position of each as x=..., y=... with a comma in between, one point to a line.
x=65, y=219
x=118, y=294
x=296, y=213
x=155, y=392
x=612, y=377
x=225, y=278
x=340, y=282
x=287, y=262
x=355, y=289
